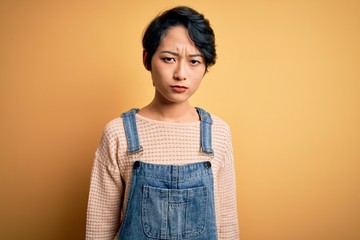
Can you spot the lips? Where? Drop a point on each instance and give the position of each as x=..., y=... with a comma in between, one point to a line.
x=178, y=88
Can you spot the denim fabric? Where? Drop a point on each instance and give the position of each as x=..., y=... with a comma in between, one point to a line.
x=129, y=122
x=205, y=131
x=169, y=201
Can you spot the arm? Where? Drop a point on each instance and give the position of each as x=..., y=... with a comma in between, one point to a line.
x=106, y=191
x=228, y=227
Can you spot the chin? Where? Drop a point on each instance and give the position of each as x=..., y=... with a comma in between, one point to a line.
x=176, y=100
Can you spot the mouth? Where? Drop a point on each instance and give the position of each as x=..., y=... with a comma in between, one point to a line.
x=178, y=88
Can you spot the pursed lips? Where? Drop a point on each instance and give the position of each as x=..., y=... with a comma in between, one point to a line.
x=178, y=88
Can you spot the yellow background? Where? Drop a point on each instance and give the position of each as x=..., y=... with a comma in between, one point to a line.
x=287, y=81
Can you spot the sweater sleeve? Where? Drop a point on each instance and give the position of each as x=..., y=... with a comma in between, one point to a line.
x=106, y=190
x=228, y=228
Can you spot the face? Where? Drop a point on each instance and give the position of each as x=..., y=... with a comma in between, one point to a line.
x=177, y=67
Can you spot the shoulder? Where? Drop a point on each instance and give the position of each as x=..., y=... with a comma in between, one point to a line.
x=113, y=140
x=221, y=129
x=114, y=126
x=219, y=123
x=221, y=137
x=113, y=132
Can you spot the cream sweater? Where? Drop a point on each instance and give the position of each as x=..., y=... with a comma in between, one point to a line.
x=163, y=143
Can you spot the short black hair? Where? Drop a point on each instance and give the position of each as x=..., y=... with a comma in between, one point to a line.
x=199, y=29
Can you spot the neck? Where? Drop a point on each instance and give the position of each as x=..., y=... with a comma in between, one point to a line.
x=170, y=112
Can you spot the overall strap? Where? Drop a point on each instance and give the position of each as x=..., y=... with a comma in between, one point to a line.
x=205, y=132
x=132, y=137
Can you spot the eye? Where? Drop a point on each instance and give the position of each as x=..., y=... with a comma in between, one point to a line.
x=194, y=62
x=168, y=59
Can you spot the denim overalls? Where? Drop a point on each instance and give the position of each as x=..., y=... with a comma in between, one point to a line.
x=169, y=201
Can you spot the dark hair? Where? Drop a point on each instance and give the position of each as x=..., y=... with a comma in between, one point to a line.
x=197, y=25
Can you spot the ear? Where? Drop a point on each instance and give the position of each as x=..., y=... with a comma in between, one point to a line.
x=145, y=56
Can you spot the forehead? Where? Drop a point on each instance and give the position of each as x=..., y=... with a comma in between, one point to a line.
x=177, y=38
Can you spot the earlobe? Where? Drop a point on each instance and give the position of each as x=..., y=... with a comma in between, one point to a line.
x=145, y=56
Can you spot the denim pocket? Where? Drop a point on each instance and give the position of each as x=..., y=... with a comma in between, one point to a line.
x=174, y=213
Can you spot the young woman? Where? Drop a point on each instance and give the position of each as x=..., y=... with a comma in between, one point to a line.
x=166, y=171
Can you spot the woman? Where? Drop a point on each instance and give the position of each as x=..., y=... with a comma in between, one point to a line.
x=166, y=171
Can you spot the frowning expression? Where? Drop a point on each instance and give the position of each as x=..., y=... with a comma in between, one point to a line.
x=177, y=67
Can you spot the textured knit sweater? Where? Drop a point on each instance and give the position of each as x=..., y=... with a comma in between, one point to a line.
x=163, y=143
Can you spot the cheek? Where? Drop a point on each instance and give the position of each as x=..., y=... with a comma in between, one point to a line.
x=159, y=77
x=162, y=73
x=199, y=73
x=199, y=76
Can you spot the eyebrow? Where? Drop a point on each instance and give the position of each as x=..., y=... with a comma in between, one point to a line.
x=176, y=54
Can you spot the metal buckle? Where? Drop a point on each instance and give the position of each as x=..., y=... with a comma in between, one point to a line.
x=135, y=152
x=205, y=153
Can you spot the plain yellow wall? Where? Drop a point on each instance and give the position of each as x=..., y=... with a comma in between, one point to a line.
x=287, y=81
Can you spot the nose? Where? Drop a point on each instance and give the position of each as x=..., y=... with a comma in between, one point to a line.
x=180, y=72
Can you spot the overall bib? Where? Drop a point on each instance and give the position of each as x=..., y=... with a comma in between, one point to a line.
x=169, y=201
